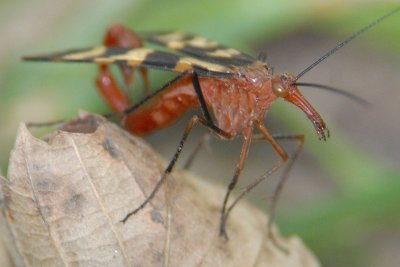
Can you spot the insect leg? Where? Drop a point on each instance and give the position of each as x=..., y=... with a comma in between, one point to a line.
x=299, y=138
x=110, y=90
x=203, y=141
x=146, y=82
x=277, y=192
x=119, y=36
x=205, y=138
x=239, y=167
x=152, y=95
x=193, y=121
x=200, y=96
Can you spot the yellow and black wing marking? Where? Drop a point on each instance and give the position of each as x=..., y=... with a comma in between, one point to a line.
x=200, y=47
x=208, y=58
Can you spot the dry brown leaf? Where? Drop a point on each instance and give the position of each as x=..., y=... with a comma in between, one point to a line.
x=66, y=197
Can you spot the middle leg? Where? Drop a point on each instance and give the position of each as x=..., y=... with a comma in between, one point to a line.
x=299, y=138
x=239, y=167
x=193, y=121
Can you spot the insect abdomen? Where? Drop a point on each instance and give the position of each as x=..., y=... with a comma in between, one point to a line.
x=166, y=109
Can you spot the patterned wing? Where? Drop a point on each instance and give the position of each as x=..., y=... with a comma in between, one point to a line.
x=138, y=57
x=200, y=48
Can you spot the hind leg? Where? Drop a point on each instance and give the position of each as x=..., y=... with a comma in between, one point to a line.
x=119, y=36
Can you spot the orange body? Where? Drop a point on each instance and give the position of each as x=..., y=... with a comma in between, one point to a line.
x=236, y=102
x=238, y=90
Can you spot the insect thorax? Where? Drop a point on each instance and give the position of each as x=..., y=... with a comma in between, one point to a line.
x=236, y=102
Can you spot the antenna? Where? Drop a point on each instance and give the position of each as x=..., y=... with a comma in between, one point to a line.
x=346, y=41
x=337, y=91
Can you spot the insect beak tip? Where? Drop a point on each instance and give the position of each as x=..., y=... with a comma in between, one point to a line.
x=298, y=100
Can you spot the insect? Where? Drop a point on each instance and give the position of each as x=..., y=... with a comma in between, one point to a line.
x=237, y=88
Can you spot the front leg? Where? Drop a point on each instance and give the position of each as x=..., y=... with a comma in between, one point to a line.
x=225, y=211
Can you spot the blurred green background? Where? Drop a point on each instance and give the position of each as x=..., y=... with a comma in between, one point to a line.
x=343, y=196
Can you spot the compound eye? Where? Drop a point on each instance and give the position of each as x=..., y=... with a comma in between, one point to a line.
x=279, y=90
